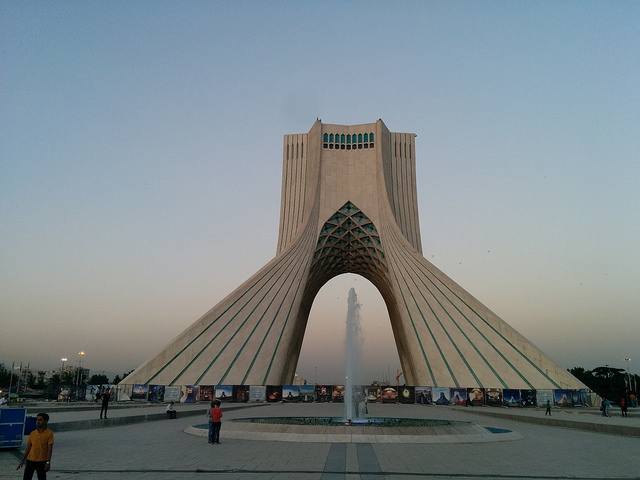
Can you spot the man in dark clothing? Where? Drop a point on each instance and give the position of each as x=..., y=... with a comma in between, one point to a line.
x=106, y=396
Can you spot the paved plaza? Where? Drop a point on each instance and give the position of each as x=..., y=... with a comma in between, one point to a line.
x=160, y=449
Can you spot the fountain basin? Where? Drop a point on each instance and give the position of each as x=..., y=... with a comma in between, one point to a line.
x=369, y=430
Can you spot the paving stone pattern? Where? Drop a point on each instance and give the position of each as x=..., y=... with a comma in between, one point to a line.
x=161, y=450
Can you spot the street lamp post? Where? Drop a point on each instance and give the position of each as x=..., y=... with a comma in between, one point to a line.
x=79, y=378
x=632, y=388
x=628, y=360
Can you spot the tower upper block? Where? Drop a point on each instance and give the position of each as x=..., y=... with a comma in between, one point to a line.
x=349, y=205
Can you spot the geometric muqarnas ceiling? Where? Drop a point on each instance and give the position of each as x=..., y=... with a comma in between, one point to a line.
x=349, y=205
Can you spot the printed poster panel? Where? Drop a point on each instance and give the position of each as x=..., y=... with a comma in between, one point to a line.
x=207, y=393
x=528, y=398
x=241, y=393
x=290, y=393
x=171, y=393
x=306, y=393
x=123, y=392
x=139, y=392
x=494, y=397
x=476, y=396
x=373, y=392
x=563, y=398
x=257, y=393
x=224, y=393
x=542, y=396
x=337, y=394
x=510, y=397
x=580, y=398
x=156, y=393
x=91, y=393
x=407, y=394
x=274, y=393
x=458, y=396
x=441, y=395
x=189, y=394
x=389, y=395
x=424, y=396
x=323, y=393
x=82, y=392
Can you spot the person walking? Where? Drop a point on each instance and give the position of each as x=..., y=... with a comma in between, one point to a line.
x=106, y=396
x=39, y=450
x=623, y=407
x=171, y=412
x=216, y=421
x=548, y=410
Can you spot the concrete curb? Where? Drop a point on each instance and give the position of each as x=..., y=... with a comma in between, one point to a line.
x=624, y=430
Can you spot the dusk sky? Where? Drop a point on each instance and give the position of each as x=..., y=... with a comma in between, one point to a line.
x=141, y=160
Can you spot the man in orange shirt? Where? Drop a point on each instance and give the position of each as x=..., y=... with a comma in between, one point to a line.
x=39, y=449
x=216, y=420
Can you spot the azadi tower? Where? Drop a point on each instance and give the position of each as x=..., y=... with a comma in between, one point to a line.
x=349, y=205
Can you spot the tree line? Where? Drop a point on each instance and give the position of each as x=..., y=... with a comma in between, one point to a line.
x=608, y=382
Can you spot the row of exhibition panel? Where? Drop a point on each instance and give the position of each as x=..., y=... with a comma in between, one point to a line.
x=336, y=393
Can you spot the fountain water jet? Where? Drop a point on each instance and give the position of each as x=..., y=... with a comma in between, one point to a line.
x=353, y=371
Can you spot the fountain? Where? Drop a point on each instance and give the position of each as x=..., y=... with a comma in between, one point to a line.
x=353, y=343
x=353, y=426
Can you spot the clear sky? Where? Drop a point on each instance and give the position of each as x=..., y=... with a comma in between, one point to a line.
x=141, y=156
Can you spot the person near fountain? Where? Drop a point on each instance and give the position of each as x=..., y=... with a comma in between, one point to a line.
x=215, y=422
x=213, y=402
x=362, y=408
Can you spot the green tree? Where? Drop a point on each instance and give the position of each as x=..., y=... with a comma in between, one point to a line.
x=4, y=377
x=68, y=377
x=101, y=379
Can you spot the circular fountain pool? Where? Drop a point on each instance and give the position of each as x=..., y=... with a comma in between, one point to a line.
x=337, y=421
x=365, y=430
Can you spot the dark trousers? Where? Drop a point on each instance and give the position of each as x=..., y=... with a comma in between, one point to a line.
x=31, y=467
x=104, y=409
x=216, y=432
x=171, y=413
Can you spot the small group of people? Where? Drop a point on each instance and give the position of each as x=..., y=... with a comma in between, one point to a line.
x=605, y=407
x=39, y=449
x=215, y=421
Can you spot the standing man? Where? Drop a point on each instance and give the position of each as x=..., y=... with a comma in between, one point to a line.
x=548, y=408
x=216, y=420
x=106, y=396
x=39, y=450
x=171, y=411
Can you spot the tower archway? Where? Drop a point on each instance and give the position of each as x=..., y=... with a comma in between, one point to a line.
x=323, y=352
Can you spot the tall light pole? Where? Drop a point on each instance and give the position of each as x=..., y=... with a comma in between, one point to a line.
x=81, y=353
x=628, y=360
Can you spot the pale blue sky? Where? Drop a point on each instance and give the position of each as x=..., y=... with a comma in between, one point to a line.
x=141, y=155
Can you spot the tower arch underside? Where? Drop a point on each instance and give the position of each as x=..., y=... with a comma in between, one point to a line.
x=444, y=336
